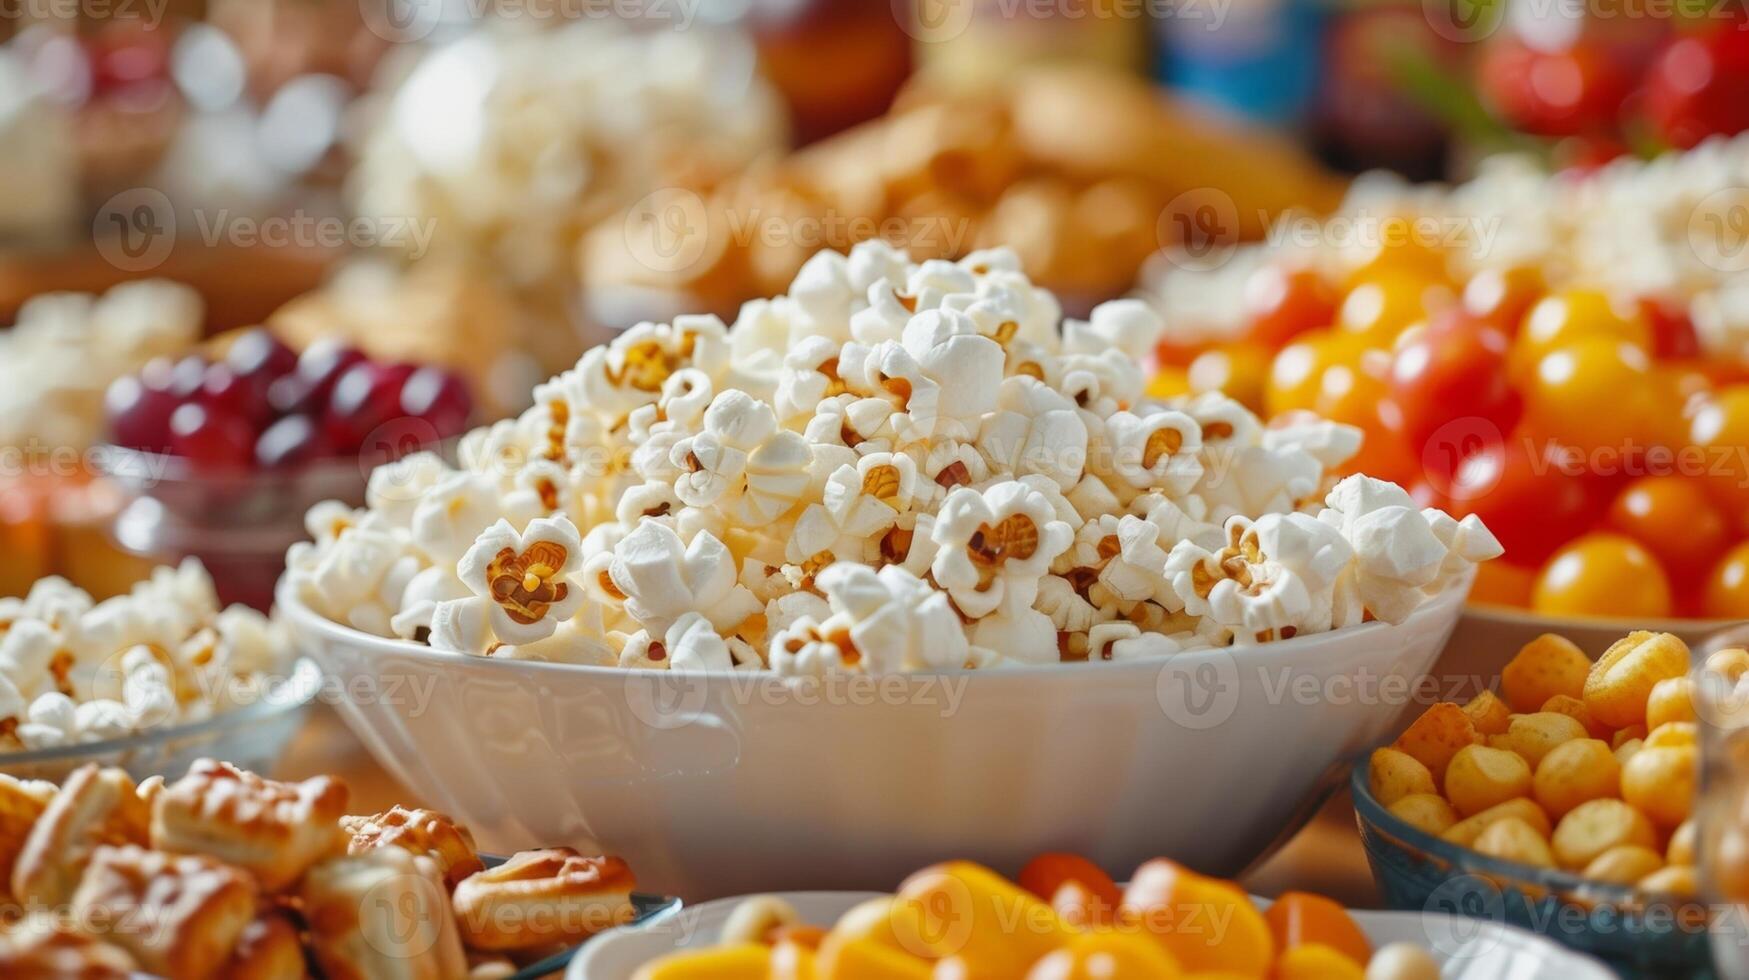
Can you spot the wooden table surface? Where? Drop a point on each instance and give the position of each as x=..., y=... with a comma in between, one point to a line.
x=1325, y=857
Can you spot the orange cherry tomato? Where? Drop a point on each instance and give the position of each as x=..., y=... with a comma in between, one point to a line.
x=1501, y=583
x=1727, y=587
x=1240, y=371
x=1560, y=318
x=1185, y=912
x=1381, y=308
x=1048, y=872
x=1720, y=428
x=1603, y=574
x=1283, y=302
x=1596, y=395
x=1501, y=297
x=1304, y=919
x=1675, y=520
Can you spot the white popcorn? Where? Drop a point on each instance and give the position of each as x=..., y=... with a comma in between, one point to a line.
x=526, y=577
x=1034, y=430
x=1157, y=451
x=995, y=545
x=662, y=579
x=898, y=467
x=861, y=502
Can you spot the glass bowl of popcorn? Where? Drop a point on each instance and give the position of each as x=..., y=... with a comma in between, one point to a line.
x=905, y=560
x=148, y=681
x=1565, y=803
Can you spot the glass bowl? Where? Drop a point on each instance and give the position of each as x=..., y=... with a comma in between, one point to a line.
x=252, y=736
x=240, y=524
x=1636, y=933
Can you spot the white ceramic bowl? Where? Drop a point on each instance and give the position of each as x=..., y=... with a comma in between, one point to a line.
x=725, y=784
x=1463, y=947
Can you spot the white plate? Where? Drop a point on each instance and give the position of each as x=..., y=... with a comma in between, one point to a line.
x=1472, y=949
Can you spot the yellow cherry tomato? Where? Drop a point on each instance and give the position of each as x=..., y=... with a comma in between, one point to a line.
x=1382, y=307
x=1296, y=376
x=1602, y=574
x=1239, y=371
x=1727, y=587
x=1565, y=316
x=1169, y=382
x=1720, y=428
x=1595, y=393
x=1400, y=247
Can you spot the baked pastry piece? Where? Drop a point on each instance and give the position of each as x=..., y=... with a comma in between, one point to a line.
x=94, y=807
x=542, y=898
x=22, y=801
x=179, y=915
x=268, y=949
x=381, y=915
x=274, y=830
x=38, y=948
x=421, y=832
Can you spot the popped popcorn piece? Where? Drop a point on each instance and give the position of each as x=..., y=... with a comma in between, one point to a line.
x=660, y=579
x=526, y=576
x=995, y=545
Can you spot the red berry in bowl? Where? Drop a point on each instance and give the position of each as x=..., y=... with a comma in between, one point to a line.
x=365, y=398
x=259, y=355
x=211, y=440
x=438, y=397
x=293, y=441
x=186, y=376
x=231, y=393
x=308, y=388
x=139, y=414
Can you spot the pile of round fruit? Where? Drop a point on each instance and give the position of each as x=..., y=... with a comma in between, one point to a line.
x=1589, y=431
x=263, y=406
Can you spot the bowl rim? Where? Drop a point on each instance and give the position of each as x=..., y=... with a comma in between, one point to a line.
x=303, y=619
x=1515, y=616
x=1563, y=885
x=293, y=692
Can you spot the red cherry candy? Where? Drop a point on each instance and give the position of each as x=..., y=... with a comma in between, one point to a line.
x=211, y=440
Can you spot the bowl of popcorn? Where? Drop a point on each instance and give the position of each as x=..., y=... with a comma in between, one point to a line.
x=902, y=559
x=955, y=919
x=147, y=681
x=1564, y=803
x=221, y=453
x=242, y=876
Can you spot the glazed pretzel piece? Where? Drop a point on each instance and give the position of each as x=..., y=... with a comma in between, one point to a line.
x=268, y=949
x=424, y=833
x=544, y=898
x=95, y=807
x=274, y=830
x=180, y=916
x=22, y=802
x=38, y=948
x=381, y=915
